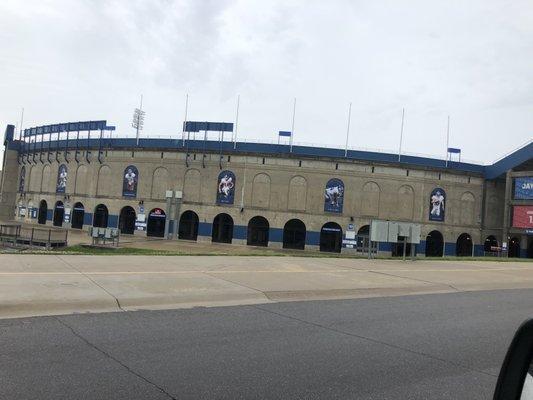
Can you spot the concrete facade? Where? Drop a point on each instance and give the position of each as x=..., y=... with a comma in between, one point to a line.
x=278, y=187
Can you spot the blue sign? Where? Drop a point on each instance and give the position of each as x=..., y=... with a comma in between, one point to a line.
x=62, y=176
x=285, y=133
x=226, y=187
x=130, y=181
x=197, y=126
x=334, y=196
x=437, y=202
x=68, y=127
x=523, y=188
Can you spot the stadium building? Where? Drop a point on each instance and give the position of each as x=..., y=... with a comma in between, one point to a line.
x=77, y=175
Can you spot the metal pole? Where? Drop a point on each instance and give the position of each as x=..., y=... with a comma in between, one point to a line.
x=236, y=122
x=21, y=121
x=348, y=130
x=404, y=247
x=292, y=129
x=401, y=136
x=185, y=123
x=447, y=141
x=139, y=119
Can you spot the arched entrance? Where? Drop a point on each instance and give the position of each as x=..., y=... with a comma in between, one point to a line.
x=78, y=212
x=489, y=243
x=59, y=213
x=100, y=217
x=222, y=228
x=434, y=244
x=188, y=228
x=294, y=235
x=514, y=247
x=43, y=211
x=155, y=226
x=397, y=248
x=331, y=237
x=126, y=220
x=363, y=238
x=258, y=231
x=463, y=247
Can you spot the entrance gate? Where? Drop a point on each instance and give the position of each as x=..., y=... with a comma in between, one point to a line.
x=222, y=229
x=155, y=225
x=188, y=228
x=126, y=221
x=78, y=213
x=331, y=238
x=59, y=213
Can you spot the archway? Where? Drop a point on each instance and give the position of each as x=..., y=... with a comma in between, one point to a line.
x=489, y=243
x=294, y=233
x=463, y=247
x=43, y=211
x=155, y=226
x=258, y=231
x=78, y=212
x=363, y=238
x=514, y=247
x=222, y=229
x=100, y=217
x=188, y=228
x=331, y=238
x=126, y=220
x=59, y=213
x=397, y=248
x=434, y=244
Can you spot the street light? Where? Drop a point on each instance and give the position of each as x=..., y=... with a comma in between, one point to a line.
x=138, y=120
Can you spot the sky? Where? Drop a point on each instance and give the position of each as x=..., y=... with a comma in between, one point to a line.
x=78, y=60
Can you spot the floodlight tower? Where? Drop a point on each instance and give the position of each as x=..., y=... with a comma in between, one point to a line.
x=138, y=120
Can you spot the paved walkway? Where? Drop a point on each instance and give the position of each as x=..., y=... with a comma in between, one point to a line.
x=63, y=284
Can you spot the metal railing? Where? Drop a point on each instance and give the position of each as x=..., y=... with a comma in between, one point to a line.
x=17, y=235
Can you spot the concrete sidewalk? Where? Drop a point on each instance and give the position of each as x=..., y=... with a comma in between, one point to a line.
x=63, y=284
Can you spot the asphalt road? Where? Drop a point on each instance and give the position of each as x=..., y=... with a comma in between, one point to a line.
x=441, y=346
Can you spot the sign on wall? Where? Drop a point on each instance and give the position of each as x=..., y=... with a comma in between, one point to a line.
x=226, y=187
x=130, y=181
x=523, y=188
x=62, y=175
x=437, y=202
x=22, y=179
x=523, y=216
x=334, y=196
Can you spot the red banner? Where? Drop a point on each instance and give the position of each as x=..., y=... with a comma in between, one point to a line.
x=523, y=217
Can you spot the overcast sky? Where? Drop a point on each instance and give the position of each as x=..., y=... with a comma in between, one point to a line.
x=80, y=60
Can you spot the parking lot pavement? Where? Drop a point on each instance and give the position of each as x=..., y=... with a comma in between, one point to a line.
x=63, y=284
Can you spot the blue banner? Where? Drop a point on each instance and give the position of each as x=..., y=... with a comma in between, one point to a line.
x=62, y=176
x=130, y=181
x=226, y=187
x=437, y=203
x=334, y=196
x=523, y=188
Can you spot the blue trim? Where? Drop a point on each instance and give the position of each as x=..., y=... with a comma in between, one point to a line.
x=384, y=246
x=523, y=253
x=312, y=238
x=512, y=160
x=450, y=248
x=275, y=235
x=87, y=218
x=479, y=250
x=49, y=215
x=240, y=232
x=205, y=229
x=112, y=221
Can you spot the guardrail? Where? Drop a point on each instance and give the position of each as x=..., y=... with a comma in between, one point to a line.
x=16, y=235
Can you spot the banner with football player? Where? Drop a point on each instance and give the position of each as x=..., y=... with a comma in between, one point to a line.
x=437, y=204
x=130, y=181
x=334, y=196
x=226, y=187
x=62, y=175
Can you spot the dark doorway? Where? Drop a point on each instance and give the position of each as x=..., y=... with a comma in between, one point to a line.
x=363, y=238
x=514, y=247
x=43, y=211
x=188, y=228
x=100, y=217
x=294, y=235
x=463, y=247
x=331, y=238
x=490, y=242
x=222, y=229
x=78, y=212
x=258, y=232
x=126, y=220
x=434, y=244
x=530, y=249
x=397, y=248
x=155, y=225
x=59, y=213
